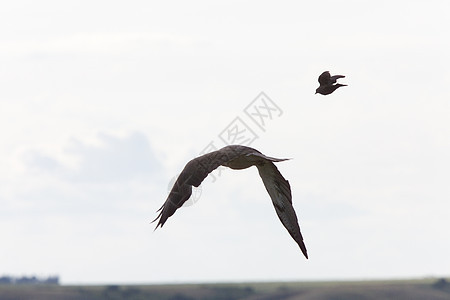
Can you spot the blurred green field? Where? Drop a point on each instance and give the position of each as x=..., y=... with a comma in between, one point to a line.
x=429, y=289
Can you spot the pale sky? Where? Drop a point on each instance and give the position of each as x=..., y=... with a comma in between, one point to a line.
x=102, y=103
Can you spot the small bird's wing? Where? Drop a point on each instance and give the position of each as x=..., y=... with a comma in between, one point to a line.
x=280, y=193
x=193, y=174
x=325, y=78
x=336, y=77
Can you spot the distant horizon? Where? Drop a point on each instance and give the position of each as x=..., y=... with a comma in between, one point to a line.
x=343, y=280
x=407, y=290
x=46, y=277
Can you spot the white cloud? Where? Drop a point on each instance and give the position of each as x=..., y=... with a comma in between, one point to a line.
x=111, y=159
x=115, y=173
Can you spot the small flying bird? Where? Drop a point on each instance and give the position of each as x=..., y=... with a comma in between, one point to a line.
x=326, y=83
x=236, y=157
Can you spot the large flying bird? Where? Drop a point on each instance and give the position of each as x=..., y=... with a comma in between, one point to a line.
x=326, y=83
x=236, y=157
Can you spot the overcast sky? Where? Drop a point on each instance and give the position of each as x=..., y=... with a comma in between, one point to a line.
x=102, y=103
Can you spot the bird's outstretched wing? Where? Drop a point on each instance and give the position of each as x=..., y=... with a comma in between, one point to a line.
x=236, y=157
x=193, y=174
x=336, y=77
x=280, y=193
x=325, y=78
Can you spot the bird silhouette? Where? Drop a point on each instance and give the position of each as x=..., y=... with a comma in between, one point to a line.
x=326, y=83
x=236, y=157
